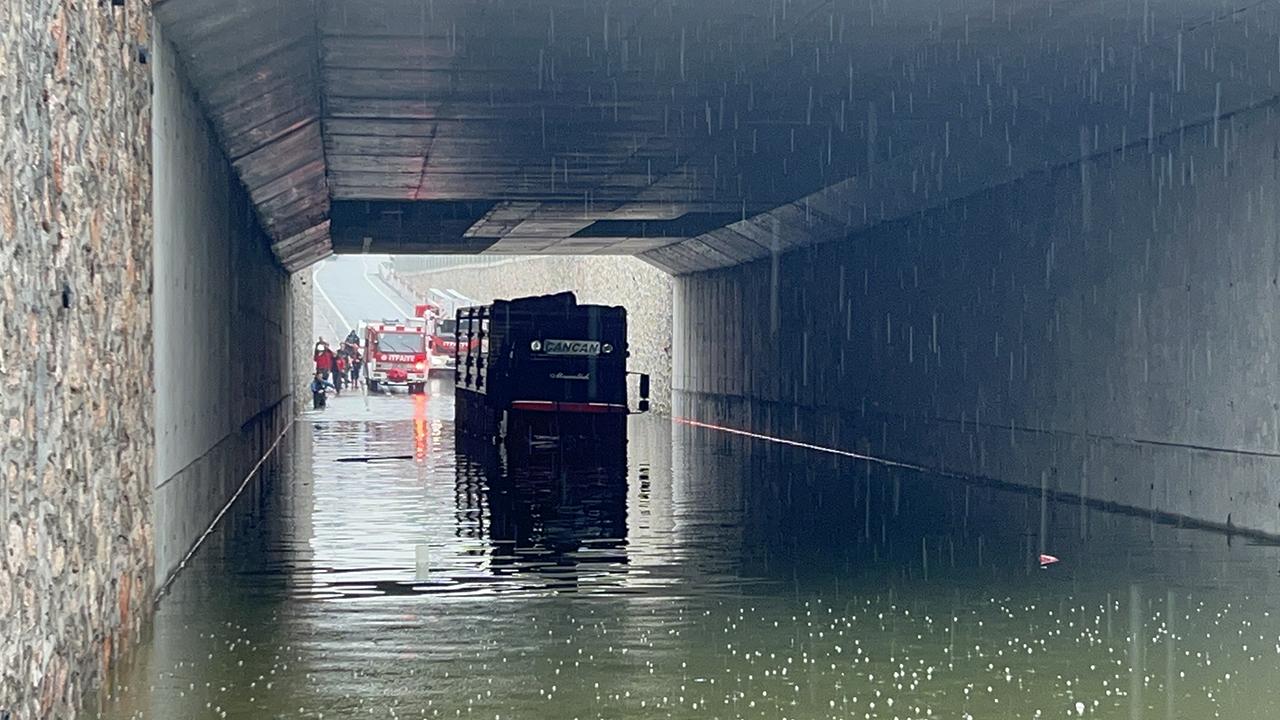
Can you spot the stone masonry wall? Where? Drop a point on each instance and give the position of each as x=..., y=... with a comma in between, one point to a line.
x=75, y=268
x=302, y=320
x=642, y=289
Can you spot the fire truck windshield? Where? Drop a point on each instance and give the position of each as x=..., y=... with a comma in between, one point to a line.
x=407, y=343
x=447, y=328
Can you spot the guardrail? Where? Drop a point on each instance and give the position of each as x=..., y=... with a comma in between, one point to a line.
x=433, y=263
x=395, y=282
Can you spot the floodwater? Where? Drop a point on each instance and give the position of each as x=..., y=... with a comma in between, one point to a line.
x=381, y=571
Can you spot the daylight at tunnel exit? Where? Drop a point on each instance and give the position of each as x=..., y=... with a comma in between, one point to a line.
x=640, y=359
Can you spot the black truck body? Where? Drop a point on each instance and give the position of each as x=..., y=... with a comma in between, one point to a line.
x=543, y=370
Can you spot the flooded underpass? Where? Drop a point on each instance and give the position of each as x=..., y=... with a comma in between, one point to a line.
x=380, y=570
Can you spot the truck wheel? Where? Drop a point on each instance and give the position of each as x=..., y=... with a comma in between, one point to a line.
x=416, y=389
x=373, y=386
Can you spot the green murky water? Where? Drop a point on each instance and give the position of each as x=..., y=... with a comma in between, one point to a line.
x=705, y=577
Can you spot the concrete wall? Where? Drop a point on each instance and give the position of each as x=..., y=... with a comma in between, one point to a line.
x=75, y=420
x=1109, y=329
x=222, y=322
x=642, y=289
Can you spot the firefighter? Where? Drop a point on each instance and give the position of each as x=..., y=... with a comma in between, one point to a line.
x=340, y=370
x=318, y=387
x=351, y=348
x=356, y=363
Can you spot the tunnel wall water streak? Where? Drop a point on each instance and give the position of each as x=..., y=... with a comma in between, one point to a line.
x=223, y=323
x=1107, y=329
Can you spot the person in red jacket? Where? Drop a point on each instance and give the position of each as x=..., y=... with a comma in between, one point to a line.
x=356, y=362
x=340, y=371
x=324, y=359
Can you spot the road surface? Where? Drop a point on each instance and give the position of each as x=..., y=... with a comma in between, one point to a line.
x=348, y=290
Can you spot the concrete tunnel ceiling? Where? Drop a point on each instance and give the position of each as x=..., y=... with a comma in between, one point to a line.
x=694, y=133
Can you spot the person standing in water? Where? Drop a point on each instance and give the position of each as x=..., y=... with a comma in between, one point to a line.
x=318, y=388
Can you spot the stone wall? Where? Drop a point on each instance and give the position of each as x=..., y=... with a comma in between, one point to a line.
x=75, y=376
x=302, y=307
x=642, y=289
x=1107, y=329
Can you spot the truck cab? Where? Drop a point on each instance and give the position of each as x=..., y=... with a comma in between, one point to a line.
x=444, y=344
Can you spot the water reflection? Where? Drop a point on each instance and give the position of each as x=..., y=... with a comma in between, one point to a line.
x=703, y=576
x=556, y=517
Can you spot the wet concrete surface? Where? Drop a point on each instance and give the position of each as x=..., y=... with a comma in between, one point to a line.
x=379, y=570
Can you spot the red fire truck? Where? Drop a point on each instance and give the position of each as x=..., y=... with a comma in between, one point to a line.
x=396, y=354
x=442, y=332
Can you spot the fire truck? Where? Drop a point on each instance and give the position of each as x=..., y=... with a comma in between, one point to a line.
x=444, y=345
x=544, y=372
x=396, y=354
x=442, y=327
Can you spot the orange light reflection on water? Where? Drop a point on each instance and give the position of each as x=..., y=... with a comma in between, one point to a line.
x=421, y=437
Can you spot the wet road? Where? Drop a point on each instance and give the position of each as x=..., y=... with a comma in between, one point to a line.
x=379, y=570
x=349, y=290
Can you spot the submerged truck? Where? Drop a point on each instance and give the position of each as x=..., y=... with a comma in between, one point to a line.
x=544, y=372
